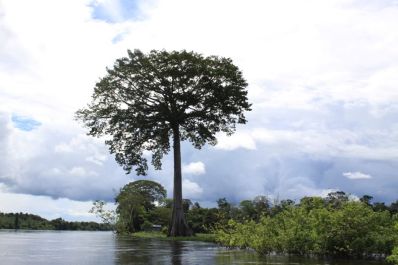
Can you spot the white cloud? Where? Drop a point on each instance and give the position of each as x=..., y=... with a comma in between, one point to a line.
x=235, y=141
x=316, y=141
x=81, y=172
x=191, y=189
x=47, y=207
x=63, y=148
x=356, y=175
x=34, y=163
x=194, y=168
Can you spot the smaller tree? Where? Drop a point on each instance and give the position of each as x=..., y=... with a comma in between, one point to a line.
x=151, y=192
x=311, y=203
x=380, y=207
x=224, y=210
x=107, y=216
x=262, y=205
x=336, y=199
x=394, y=207
x=366, y=199
x=135, y=200
x=247, y=210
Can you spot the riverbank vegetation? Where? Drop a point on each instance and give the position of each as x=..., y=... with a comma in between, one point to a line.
x=332, y=226
x=35, y=222
x=337, y=225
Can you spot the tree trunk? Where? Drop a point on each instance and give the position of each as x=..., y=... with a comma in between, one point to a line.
x=178, y=225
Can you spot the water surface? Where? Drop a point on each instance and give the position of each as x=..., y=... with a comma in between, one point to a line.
x=97, y=248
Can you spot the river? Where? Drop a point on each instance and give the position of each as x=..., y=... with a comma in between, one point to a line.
x=96, y=248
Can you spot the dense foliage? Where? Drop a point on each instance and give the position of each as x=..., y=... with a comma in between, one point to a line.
x=135, y=202
x=34, y=222
x=146, y=100
x=393, y=258
x=334, y=226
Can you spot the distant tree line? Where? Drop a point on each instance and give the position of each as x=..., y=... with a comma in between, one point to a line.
x=35, y=222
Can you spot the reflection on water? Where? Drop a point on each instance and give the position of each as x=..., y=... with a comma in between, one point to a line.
x=96, y=248
x=152, y=251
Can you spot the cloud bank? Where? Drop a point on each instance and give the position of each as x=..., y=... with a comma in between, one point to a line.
x=323, y=80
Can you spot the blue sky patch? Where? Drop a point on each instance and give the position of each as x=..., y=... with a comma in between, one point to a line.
x=24, y=123
x=118, y=38
x=114, y=11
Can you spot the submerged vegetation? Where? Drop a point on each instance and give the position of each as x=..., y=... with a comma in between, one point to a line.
x=334, y=226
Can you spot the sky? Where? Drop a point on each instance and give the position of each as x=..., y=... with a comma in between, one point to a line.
x=323, y=81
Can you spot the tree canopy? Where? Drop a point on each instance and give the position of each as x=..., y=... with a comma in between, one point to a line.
x=144, y=96
x=150, y=192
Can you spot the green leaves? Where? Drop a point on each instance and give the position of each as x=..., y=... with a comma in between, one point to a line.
x=393, y=258
x=352, y=229
x=144, y=96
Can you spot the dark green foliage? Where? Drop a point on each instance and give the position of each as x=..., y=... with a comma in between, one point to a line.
x=262, y=206
x=34, y=222
x=336, y=199
x=160, y=216
x=394, y=207
x=224, y=210
x=202, y=220
x=16, y=222
x=186, y=204
x=366, y=199
x=60, y=224
x=380, y=206
x=146, y=226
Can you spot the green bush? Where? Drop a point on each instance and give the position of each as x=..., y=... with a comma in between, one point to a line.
x=353, y=229
x=393, y=258
x=146, y=226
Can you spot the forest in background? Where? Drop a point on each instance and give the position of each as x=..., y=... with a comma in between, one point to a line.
x=35, y=222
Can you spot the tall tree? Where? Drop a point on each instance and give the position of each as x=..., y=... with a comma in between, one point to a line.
x=146, y=99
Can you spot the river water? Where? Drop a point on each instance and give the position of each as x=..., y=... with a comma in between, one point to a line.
x=96, y=248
